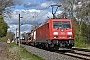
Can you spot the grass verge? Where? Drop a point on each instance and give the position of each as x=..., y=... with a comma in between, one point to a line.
x=20, y=53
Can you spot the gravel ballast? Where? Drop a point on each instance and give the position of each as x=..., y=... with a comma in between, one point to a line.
x=47, y=55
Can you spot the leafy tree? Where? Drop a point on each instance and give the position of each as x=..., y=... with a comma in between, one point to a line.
x=3, y=27
x=88, y=34
x=84, y=29
x=4, y=5
x=10, y=35
x=84, y=16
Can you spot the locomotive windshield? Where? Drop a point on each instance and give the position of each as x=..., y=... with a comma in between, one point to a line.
x=61, y=24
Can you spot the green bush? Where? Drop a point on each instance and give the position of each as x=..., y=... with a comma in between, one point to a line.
x=3, y=39
x=79, y=41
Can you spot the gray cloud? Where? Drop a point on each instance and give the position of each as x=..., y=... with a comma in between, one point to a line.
x=28, y=5
x=43, y=6
x=53, y=0
x=19, y=2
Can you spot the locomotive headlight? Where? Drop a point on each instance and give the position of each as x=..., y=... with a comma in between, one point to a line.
x=55, y=33
x=69, y=33
x=55, y=37
x=69, y=37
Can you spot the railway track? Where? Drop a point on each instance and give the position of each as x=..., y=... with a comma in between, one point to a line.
x=77, y=53
x=83, y=54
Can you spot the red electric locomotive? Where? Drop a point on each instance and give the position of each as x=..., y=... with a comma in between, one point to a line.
x=57, y=33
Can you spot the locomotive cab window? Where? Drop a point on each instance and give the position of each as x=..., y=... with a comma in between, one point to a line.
x=61, y=24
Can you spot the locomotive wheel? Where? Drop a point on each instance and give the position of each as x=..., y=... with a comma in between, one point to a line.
x=46, y=46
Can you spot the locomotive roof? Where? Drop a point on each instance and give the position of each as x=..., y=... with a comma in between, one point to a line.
x=59, y=19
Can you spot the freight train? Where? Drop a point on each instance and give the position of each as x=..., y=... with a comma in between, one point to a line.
x=57, y=33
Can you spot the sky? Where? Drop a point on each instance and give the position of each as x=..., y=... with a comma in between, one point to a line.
x=32, y=11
